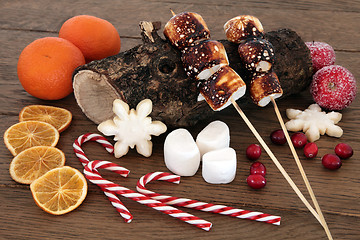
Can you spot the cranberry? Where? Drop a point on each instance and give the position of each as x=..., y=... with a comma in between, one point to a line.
x=331, y=161
x=258, y=168
x=278, y=137
x=299, y=139
x=343, y=150
x=253, y=152
x=310, y=150
x=256, y=181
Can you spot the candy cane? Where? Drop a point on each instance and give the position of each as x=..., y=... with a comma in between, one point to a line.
x=91, y=173
x=194, y=204
x=114, y=200
x=111, y=189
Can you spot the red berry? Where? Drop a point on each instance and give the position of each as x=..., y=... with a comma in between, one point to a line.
x=278, y=137
x=258, y=168
x=310, y=150
x=253, y=152
x=333, y=87
x=331, y=161
x=344, y=150
x=299, y=139
x=256, y=181
x=322, y=54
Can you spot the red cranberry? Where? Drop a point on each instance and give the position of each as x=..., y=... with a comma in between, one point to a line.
x=256, y=181
x=310, y=150
x=258, y=168
x=344, y=150
x=253, y=152
x=299, y=139
x=331, y=161
x=278, y=137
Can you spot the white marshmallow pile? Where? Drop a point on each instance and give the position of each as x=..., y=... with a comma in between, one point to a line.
x=182, y=154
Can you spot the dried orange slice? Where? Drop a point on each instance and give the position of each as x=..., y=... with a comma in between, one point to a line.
x=60, y=190
x=60, y=118
x=34, y=162
x=24, y=135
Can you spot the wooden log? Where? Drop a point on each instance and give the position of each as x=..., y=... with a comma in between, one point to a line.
x=154, y=70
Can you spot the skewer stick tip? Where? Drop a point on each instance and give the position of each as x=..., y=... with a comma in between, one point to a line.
x=172, y=12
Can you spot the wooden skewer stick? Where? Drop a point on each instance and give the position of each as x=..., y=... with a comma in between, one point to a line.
x=276, y=162
x=301, y=169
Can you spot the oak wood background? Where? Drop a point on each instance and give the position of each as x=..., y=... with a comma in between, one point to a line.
x=334, y=22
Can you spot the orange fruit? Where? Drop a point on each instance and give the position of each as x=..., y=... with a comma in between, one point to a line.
x=95, y=37
x=24, y=135
x=60, y=118
x=60, y=190
x=34, y=162
x=45, y=67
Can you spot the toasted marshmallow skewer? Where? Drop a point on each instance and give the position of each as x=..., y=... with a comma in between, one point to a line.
x=258, y=56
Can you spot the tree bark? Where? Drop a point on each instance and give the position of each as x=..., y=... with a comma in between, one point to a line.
x=154, y=70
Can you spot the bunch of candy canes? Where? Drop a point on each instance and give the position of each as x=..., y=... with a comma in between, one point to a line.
x=151, y=199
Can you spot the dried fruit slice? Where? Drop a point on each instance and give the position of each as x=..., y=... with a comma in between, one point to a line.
x=60, y=118
x=24, y=135
x=34, y=162
x=60, y=190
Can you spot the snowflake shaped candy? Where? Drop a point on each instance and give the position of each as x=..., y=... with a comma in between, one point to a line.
x=132, y=128
x=314, y=122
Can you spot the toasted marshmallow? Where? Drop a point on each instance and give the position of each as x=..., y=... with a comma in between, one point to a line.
x=257, y=55
x=264, y=86
x=203, y=58
x=239, y=28
x=221, y=86
x=185, y=28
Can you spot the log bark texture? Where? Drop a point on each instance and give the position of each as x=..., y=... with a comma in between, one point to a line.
x=154, y=70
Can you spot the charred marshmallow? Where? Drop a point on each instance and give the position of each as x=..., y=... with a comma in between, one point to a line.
x=203, y=58
x=264, y=86
x=257, y=55
x=221, y=86
x=239, y=28
x=185, y=28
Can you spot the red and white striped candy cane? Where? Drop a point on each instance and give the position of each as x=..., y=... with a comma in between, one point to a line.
x=93, y=175
x=114, y=200
x=194, y=204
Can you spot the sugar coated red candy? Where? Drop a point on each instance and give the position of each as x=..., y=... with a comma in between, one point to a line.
x=333, y=87
x=322, y=54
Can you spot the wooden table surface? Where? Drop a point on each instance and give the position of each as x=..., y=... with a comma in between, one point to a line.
x=334, y=22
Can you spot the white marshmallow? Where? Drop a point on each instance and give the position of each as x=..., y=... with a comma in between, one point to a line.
x=214, y=136
x=181, y=154
x=219, y=166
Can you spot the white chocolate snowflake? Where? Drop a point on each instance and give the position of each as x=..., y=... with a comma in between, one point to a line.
x=132, y=128
x=314, y=122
